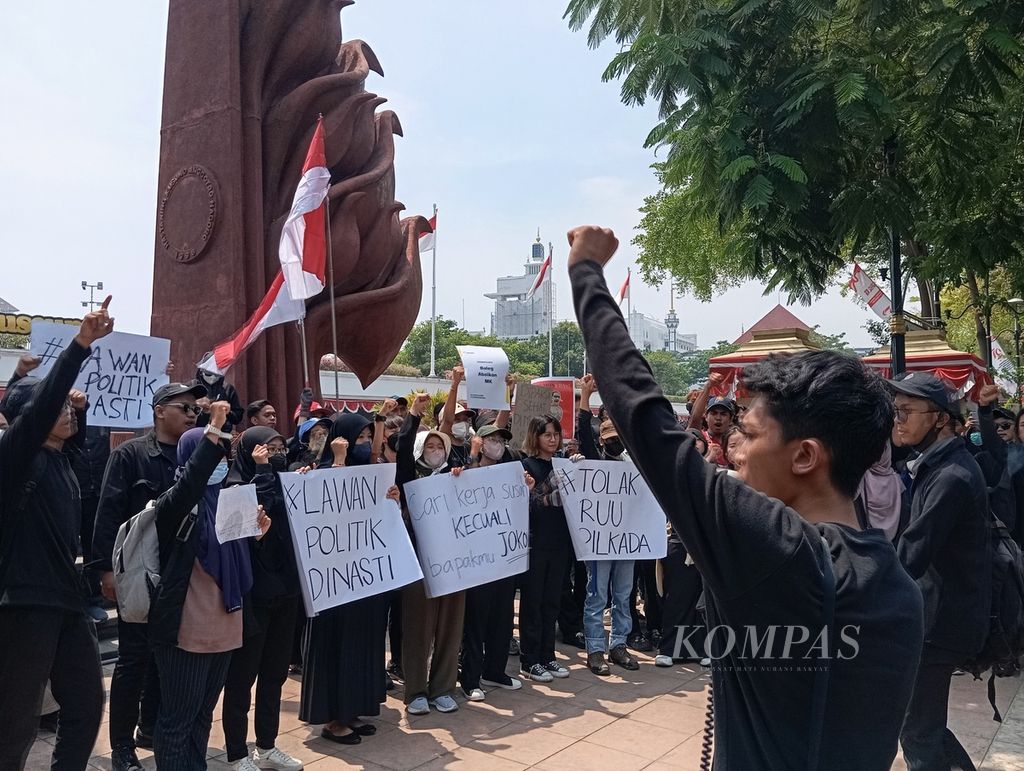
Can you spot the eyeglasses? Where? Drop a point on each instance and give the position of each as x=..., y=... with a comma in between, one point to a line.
x=188, y=409
x=903, y=414
x=277, y=450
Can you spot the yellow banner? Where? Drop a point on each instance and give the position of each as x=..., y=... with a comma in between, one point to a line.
x=21, y=323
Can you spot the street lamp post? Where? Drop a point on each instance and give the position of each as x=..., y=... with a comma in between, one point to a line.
x=92, y=302
x=1016, y=305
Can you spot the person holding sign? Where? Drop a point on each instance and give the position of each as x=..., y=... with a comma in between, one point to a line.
x=274, y=601
x=779, y=547
x=195, y=620
x=541, y=586
x=44, y=632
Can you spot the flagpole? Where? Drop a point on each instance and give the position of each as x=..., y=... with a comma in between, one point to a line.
x=433, y=303
x=551, y=308
x=629, y=301
x=305, y=355
x=330, y=284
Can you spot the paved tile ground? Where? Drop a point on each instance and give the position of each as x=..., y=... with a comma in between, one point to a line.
x=651, y=719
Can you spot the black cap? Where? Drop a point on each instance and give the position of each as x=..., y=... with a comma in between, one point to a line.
x=401, y=400
x=1002, y=412
x=722, y=403
x=171, y=390
x=924, y=385
x=17, y=397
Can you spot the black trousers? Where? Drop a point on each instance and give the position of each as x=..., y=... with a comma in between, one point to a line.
x=263, y=659
x=395, y=626
x=134, y=687
x=190, y=684
x=574, y=595
x=928, y=745
x=37, y=645
x=489, y=618
x=539, y=600
x=645, y=583
x=89, y=576
x=682, y=586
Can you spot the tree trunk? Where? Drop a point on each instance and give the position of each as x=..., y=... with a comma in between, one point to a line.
x=979, y=316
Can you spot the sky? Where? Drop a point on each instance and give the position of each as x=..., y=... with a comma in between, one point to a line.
x=508, y=128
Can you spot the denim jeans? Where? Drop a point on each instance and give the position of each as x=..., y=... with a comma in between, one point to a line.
x=602, y=575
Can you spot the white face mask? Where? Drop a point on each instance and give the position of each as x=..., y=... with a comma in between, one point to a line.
x=434, y=458
x=218, y=474
x=460, y=430
x=494, y=449
x=210, y=378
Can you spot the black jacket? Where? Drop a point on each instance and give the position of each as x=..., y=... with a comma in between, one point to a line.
x=221, y=392
x=39, y=541
x=90, y=462
x=138, y=472
x=177, y=557
x=946, y=547
x=761, y=568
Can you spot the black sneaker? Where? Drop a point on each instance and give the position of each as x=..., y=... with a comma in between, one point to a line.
x=395, y=670
x=124, y=759
x=48, y=722
x=143, y=741
x=580, y=641
x=389, y=684
x=597, y=663
x=640, y=642
x=513, y=647
x=623, y=658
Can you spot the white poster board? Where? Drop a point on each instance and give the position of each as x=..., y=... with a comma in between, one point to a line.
x=120, y=376
x=237, y=511
x=350, y=540
x=471, y=529
x=611, y=512
x=486, y=370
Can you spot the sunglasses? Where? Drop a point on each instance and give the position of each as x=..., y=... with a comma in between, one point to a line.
x=188, y=409
x=1004, y=426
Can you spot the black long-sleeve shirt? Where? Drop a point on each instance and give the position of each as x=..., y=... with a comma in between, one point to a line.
x=760, y=563
x=39, y=541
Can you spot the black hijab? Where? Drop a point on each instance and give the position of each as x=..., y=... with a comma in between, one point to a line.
x=348, y=426
x=243, y=470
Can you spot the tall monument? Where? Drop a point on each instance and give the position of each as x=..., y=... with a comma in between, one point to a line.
x=244, y=82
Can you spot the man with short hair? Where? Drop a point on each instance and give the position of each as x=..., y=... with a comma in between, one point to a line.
x=779, y=547
x=261, y=413
x=946, y=548
x=456, y=420
x=1005, y=421
x=138, y=472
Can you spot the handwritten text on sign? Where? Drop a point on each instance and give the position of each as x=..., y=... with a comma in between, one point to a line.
x=472, y=529
x=350, y=541
x=612, y=514
x=120, y=376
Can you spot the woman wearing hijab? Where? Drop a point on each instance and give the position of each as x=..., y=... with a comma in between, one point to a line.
x=879, y=500
x=343, y=655
x=194, y=621
x=275, y=598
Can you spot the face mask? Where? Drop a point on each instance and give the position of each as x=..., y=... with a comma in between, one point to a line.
x=494, y=449
x=461, y=430
x=210, y=378
x=975, y=437
x=279, y=462
x=218, y=474
x=434, y=458
x=316, y=446
x=360, y=453
x=613, y=448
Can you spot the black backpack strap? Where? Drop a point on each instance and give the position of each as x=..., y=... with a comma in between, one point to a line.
x=823, y=671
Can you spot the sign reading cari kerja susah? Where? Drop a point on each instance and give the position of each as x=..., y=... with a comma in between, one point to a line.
x=611, y=512
x=471, y=529
x=120, y=376
x=350, y=540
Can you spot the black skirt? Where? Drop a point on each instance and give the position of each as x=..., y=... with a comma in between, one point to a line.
x=343, y=662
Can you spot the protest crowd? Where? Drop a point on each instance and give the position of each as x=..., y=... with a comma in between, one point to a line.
x=839, y=524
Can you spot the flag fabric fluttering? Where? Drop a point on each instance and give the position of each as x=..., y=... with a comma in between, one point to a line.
x=427, y=239
x=867, y=290
x=545, y=266
x=277, y=308
x=303, y=246
x=624, y=292
x=1005, y=373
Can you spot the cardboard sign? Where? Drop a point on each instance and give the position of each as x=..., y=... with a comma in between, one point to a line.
x=486, y=369
x=350, y=540
x=611, y=512
x=471, y=529
x=531, y=401
x=562, y=404
x=120, y=376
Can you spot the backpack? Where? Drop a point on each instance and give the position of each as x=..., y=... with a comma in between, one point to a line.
x=1005, y=641
x=136, y=563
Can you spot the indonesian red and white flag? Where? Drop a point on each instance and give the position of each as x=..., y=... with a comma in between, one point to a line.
x=427, y=239
x=277, y=308
x=544, y=268
x=303, y=247
x=867, y=290
x=1005, y=371
x=624, y=292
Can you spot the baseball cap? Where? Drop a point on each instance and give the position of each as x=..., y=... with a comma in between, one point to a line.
x=316, y=410
x=722, y=403
x=171, y=390
x=17, y=397
x=608, y=430
x=308, y=426
x=492, y=429
x=462, y=409
x=402, y=401
x=924, y=385
x=1002, y=412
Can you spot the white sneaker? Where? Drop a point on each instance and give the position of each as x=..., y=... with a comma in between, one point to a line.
x=538, y=673
x=513, y=684
x=476, y=694
x=275, y=759
x=418, y=706
x=661, y=660
x=556, y=669
x=705, y=662
x=444, y=703
x=245, y=764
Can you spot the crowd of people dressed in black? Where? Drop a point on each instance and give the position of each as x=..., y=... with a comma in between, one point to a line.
x=856, y=509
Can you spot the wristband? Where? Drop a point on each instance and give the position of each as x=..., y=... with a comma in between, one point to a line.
x=212, y=429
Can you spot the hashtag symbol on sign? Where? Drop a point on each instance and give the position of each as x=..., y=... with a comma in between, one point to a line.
x=51, y=351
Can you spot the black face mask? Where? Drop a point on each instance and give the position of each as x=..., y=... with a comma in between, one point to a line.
x=279, y=462
x=613, y=447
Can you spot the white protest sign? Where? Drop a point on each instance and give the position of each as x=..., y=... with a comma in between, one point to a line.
x=120, y=376
x=350, y=540
x=486, y=369
x=611, y=512
x=471, y=529
x=237, y=510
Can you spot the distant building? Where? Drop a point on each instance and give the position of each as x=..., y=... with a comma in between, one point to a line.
x=674, y=342
x=516, y=318
x=6, y=307
x=777, y=318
